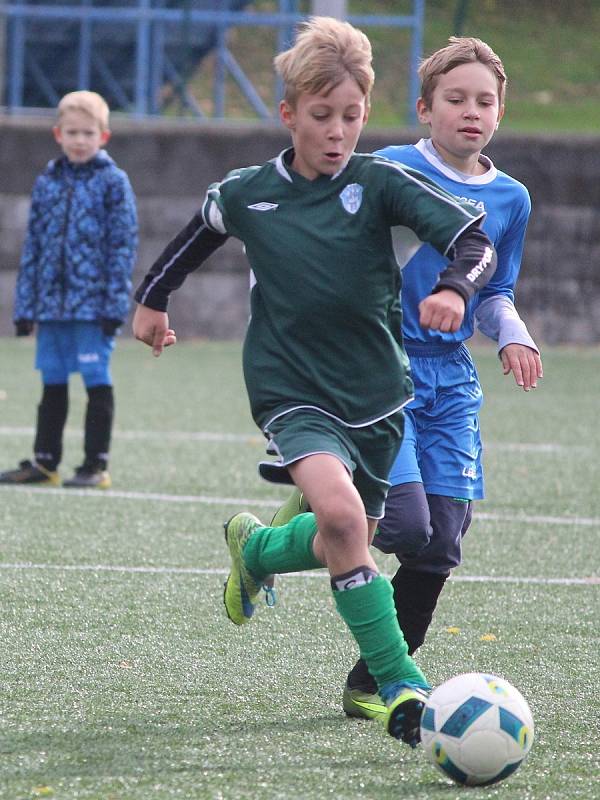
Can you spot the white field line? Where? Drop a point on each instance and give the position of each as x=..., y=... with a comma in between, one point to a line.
x=266, y=502
x=539, y=519
x=167, y=436
x=257, y=438
x=592, y=580
x=114, y=494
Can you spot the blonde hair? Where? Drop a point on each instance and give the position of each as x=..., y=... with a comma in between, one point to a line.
x=91, y=103
x=460, y=50
x=325, y=53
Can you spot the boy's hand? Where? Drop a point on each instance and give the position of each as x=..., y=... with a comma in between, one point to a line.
x=152, y=328
x=524, y=363
x=442, y=311
x=23, y=327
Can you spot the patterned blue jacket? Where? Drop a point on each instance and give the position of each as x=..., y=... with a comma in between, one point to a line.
x=81, y=244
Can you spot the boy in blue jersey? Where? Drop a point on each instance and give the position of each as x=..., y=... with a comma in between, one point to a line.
x=74, y=283
x=324, y=366
x=438, y=471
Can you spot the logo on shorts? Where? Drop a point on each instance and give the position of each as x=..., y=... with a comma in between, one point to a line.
x=88, y=358
x=351, y=197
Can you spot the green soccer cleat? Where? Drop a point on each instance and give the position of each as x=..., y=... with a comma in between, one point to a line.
x=294, y=505
x=241, y=589
x=362, y=704
x=403, y=717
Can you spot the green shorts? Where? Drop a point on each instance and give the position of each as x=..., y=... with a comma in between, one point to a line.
x=367, y=452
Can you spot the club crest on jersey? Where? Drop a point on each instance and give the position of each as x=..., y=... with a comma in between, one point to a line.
x=351, y=197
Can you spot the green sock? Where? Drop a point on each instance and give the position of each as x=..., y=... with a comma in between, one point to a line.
x=287, y=548
x=369, y=612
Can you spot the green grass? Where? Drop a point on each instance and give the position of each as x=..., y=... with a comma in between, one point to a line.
x=121, y=679
x=549, y=49
x=549, y=53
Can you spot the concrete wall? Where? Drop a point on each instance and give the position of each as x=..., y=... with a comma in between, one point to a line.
x=171, y=164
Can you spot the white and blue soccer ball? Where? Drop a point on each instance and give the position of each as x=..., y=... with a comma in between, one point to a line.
x=476, y=729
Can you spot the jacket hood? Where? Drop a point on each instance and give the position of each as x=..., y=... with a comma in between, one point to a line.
x=99, y=161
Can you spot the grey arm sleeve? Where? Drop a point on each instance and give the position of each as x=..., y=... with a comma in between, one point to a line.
x=498, y=318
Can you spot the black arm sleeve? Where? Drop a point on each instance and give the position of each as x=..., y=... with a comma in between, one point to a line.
x=473, y=264
x=185, y=253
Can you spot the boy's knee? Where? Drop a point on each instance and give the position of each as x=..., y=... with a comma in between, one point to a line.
x=94, y=375
x=54, y=376
x=406, y=526
x=450, y=519
x=339, y=518
x=402, y=534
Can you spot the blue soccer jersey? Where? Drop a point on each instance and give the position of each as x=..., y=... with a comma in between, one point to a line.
x=445, y=450
x=507, y=206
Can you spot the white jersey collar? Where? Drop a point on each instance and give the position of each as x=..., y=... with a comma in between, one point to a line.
x=285, y=157
x=430, y=154
x=281, y=166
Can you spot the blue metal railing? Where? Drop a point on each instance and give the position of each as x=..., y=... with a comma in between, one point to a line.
x=84, y=33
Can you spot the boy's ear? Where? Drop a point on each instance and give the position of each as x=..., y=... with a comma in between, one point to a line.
x=105, y=136
x=423, y=112
x=367, y=111
x=500, y=115
x=287, y=115
x=57, y=134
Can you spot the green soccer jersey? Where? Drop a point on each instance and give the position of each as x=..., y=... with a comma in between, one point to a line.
x=325, y=327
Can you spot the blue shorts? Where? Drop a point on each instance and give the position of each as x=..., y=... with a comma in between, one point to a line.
x=442, y=443
x=66, y=347
x=366, y=452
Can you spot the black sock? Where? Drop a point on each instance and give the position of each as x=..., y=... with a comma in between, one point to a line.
x=51, y=418
x=98, y=426
x=359, y=677
x=415, y=596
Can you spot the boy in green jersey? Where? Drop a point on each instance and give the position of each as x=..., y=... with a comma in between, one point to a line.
x=324, y=365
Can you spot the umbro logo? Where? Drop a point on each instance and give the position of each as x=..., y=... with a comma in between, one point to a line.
x=263, y=206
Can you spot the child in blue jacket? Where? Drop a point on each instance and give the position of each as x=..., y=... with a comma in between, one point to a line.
x=74, y=283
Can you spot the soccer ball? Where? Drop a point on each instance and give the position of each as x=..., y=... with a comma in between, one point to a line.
x=476, y=729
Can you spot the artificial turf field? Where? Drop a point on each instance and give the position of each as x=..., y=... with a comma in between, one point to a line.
x=122, y=679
